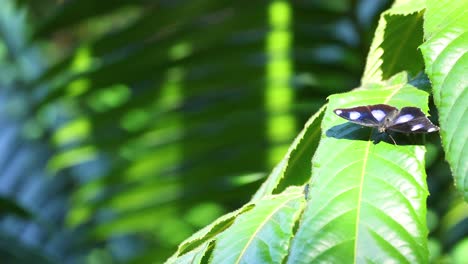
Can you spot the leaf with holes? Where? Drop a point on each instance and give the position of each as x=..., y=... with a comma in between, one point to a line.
x=294, y=168
x=446, y=58
x=196, y=242
x=261, y=235
x=395, y=43
x=367, y=201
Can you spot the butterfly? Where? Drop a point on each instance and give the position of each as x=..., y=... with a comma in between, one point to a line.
x=388, y=118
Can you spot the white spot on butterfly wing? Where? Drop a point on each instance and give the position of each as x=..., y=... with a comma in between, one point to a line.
x=354, y=115
x=404, y=118
x=418, y=126
x=338, y=112
x=432, y=129
x=378, y=114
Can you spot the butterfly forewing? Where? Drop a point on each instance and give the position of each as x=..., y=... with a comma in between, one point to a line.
x=371, y=115
x=411, y=120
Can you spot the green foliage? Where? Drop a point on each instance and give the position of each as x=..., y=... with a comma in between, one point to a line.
x=292, y=169
x=367, y=199
x=361, y=194
x=395, y=43
x=446, y=60
x=270, y=219
x=262, y=235
x=8, y=206
x=367, y=202
x=160, y=116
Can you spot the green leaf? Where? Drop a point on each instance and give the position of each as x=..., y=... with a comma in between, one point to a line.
x=457, y=213
x=73, y=12
x=295, y=167
x=445, y=56
x=367, y=201
x=207, y=233
x=261, y=235
x=460, y=252
x=194, y=256
x=395, y=43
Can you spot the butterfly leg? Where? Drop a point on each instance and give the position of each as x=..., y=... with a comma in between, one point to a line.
x=394, y=142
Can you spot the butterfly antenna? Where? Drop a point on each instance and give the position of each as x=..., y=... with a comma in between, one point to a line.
x=392, y=139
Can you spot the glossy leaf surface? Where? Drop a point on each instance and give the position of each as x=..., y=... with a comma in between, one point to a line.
x=261, y=235
x=367, y=200
x=446, y=59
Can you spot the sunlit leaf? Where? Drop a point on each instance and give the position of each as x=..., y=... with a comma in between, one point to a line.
x=261, y=235
x=367, y=200
x=211, y=230
x=395, y=43
x=446, y=59
x=194, y=256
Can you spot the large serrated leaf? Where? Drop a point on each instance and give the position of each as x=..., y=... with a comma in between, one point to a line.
x=367, y=201
x=293, y=169
x=395, y=43
x=261, y=235
x=446, y=58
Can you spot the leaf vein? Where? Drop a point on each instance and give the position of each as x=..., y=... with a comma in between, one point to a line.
x=410, y=239
x=396, y=165
x=409, y=204
x=261, y=226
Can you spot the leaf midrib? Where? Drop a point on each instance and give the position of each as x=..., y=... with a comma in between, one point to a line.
x=361, y=184
x=359, y=201
x=261, y=226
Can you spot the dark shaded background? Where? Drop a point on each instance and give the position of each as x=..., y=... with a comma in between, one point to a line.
x=125, y=126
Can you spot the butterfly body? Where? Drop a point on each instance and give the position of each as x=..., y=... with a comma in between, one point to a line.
x=388, y=118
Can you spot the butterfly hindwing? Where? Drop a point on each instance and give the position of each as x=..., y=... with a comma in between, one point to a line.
x=371, y=115
x=411, y=120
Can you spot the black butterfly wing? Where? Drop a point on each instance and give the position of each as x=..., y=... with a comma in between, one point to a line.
x=370, y=115
x=411, y=120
